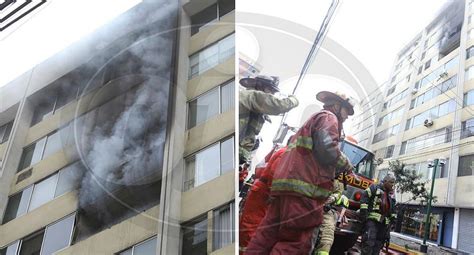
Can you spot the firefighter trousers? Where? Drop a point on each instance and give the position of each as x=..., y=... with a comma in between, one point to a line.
x=326, y=233
x=287, y=227
x=373, y=238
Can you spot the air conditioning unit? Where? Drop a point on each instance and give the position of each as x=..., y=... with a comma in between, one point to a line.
x=428, y=122
x=414, y=91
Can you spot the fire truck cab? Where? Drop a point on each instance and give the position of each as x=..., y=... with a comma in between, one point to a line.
x=349, y=227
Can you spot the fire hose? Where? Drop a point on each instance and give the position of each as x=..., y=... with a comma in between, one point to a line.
x=318, y=40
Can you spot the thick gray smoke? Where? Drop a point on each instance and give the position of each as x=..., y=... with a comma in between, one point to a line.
x=452, y=20
x=122, y=147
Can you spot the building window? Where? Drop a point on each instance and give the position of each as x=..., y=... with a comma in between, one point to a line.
x=67, y=179
x=403, y=148
x=443, y=135
x=17, y=205
x=433, y=113
x=469, y=98
x=46, y=146
x=211, y=14
x=195, y=237
x=389, y=151
x=147, y=247
x=397, y=98
x=10, y=249
x=5, y=131
x=224, y=226
x=211, y=103
x=211, y=56
x=209, y=163
x=466, y=165
x=47, y=241
x=428, y=64
x=470, y=52
x=390, y=116
x=420, y=69
x=58, y=235
x=434, y=92
x=467, y=128
x=413, y=220
x=435, y=75
x=469, y=73
x=391, y=90
x=57, y=98
x=389, y=132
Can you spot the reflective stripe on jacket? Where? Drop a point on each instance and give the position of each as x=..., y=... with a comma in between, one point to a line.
x=301, y=171
x=372, y=201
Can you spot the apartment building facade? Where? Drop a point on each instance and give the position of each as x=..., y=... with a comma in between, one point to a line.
x=427, y=113
x=123, y=143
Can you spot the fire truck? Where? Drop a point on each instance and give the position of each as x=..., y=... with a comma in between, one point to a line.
x=349, y=227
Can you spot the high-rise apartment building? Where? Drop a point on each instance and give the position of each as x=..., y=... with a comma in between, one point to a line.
x=428, y=113
x=123, y=143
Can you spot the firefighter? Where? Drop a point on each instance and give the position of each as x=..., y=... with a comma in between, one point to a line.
x=255, y=104
x=256, y=204
x=377, y=210
x=328, y=226
x=303, y=180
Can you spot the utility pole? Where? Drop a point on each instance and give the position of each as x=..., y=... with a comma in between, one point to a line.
x=424, y=247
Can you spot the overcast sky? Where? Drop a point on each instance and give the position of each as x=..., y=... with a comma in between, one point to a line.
x=372, y=30
x=51, y=28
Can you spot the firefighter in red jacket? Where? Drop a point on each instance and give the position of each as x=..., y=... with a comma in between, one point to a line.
x=303, y=180
x=256, y=203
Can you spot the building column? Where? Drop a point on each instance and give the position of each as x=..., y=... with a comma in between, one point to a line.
x=454, y=242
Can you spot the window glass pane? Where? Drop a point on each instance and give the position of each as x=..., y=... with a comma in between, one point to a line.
x=17, y=205
x=69, y=178
x=469, y=98
x=11, y=249
x=223, y=227
x=38, y=152
x=208, y=58
x=227, y=97
x=203, y=108
x=227, y=155
x=53, y=144
x=146, y=248
x=195, y=238
x=58, y=235
x=226, y=47
x=127, y=252
x=203, y=17
x=26, y=157
x=32, y=245
x=43, y=192
x=226, y=6
x=5, y=131
x=466, y=164
x=207, y=164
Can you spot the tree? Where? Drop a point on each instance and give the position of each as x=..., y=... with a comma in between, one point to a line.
x=408, y=181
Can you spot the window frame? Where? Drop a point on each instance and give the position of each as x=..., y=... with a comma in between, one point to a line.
x=193, y=158
x=219, y=99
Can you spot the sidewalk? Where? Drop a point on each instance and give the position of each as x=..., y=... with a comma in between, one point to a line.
x=413, y=245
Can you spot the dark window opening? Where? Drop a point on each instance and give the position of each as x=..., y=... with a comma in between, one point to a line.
x=195, y=237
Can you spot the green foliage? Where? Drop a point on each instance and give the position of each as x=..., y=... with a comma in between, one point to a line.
x=408, y=181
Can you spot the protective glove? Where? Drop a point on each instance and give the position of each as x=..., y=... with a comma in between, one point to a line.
x=294, y=100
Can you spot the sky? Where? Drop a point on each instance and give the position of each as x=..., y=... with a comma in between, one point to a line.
x=51, y=28
x=373, y=31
